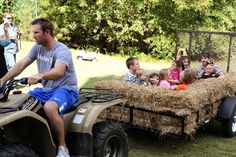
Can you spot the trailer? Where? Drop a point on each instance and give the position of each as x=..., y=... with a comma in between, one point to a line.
x=170, y=112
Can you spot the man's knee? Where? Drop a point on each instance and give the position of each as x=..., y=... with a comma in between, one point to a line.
x=50, y=108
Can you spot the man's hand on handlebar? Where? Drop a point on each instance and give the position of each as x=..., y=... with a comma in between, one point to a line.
x=1, y=82
x=34, y=79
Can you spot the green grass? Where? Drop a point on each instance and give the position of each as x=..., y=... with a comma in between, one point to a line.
x=208, y=143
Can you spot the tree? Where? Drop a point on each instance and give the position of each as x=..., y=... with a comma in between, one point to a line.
x=126, y=27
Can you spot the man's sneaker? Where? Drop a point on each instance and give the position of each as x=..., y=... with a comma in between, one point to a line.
x=62, y=152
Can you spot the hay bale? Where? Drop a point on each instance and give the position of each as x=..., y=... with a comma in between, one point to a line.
x=116, y=113
x=202, y=97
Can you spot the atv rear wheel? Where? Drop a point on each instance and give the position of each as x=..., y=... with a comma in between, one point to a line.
x=14, y=150
x=110, y=140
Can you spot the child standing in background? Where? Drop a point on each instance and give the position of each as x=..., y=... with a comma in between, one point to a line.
x=181, y=52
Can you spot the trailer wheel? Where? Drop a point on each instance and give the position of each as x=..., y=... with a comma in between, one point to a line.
x=110, y=140
x=14, y=150
x=229, y=126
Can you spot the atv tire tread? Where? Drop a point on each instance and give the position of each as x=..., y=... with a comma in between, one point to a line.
x=16, y=150
x=106, y=131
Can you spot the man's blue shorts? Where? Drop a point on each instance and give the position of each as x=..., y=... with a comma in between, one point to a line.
x=63, y=97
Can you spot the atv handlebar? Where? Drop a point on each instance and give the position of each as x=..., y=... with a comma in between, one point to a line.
x=12, y=84
x=24, y=81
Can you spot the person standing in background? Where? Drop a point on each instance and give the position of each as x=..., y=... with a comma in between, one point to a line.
x=10, y=50
x=4, y=41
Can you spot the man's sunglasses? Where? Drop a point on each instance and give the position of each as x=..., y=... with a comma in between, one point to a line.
x=8, y=17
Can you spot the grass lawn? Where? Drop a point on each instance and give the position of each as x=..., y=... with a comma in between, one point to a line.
x=206, y=143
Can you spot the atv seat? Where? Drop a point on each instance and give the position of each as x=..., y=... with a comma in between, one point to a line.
x=79, y=101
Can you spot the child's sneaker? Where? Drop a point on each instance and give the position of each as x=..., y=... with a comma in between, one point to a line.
x=62, y=152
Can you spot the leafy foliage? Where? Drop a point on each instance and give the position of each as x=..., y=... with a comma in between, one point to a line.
x=141, y=26
x=126, y=27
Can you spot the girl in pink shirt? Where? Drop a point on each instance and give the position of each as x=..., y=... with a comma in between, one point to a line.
x=164, y=77
x=175, y=72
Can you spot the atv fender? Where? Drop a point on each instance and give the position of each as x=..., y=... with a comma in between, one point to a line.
x=80, y=132
x=227, y=108
x=26, y=127
x=87, y=114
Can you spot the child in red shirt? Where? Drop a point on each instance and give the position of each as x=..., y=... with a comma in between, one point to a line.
x=186, y=78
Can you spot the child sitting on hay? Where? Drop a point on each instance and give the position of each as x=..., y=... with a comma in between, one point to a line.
x=205, y=60
x=142, y=77
x=185, y=62
x=182, y=56
x=175, y=72
x=164, y=79
x=209, y=71
x=153, y=79
x=132, y=64
x=187, y=77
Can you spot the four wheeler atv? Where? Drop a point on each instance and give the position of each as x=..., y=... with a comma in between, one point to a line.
x=25, y=131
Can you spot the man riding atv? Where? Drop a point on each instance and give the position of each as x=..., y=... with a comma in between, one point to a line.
x=56, y=70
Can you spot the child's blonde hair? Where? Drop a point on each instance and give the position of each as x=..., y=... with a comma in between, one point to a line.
x=163, y=73
x=139, y=73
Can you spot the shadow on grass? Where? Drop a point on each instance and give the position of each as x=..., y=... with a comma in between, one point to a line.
x=91, y=82
x=206, y=140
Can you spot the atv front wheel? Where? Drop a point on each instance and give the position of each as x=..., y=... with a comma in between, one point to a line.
x=14, y=150
x=110, y=140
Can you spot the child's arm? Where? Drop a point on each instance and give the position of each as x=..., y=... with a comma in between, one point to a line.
x=174, y=81
x=165, y=84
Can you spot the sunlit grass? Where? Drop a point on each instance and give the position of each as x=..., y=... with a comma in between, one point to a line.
x=106, y=67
